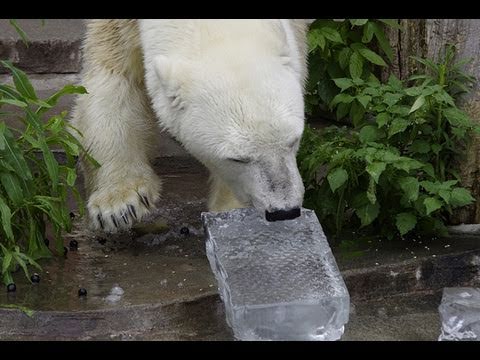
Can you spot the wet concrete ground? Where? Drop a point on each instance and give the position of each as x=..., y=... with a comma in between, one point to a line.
x=155, y=283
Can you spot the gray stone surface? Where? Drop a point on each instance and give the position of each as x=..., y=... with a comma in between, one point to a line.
x=53, y=47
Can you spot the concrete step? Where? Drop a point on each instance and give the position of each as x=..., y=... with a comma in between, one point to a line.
x=53, y=48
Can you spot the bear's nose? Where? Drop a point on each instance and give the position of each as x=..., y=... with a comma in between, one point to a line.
x=282, y=214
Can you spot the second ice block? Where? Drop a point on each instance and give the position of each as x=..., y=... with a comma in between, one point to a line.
x=278, y=280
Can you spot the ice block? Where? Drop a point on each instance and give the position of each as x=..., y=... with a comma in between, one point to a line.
x=460, y=314
x=278, y=280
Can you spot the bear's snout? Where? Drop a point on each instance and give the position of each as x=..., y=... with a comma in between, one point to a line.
x=282, y=214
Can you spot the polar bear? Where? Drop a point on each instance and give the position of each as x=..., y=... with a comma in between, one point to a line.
x=230, y=91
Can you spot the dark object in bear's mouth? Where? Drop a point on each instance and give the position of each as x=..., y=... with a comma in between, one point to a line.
x=184, y=230
x=11, y=287
x=35, y=278
x=82, y=292
x=282, y=214
x=73, y=245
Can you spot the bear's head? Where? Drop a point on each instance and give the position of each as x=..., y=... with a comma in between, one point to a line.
x=241, y=116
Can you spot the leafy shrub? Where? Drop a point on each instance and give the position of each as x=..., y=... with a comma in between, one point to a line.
x=343, y=49
x=394, y=171
x=33, y=184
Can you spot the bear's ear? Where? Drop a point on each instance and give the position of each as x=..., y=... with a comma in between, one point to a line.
x=290, y=52
x=171, y=72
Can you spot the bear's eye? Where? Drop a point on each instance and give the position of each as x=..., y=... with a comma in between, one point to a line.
x=240, y=160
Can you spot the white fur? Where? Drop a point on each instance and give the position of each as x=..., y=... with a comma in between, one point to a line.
x=226, y=89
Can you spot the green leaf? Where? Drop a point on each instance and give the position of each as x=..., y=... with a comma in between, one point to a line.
x=417, y=104
x=14, y=102
x=356, y=65
x=344, y=57
x=7, y=260
x=20, y=79
x=368, y=213
x=375, y=169
x=368, y=133
x=342, y=110
x=12, y=154
x=436, y=148
x=456, y=117
x=398, y=125
x=315, y=39
x=358, y=22
x=460, y=197
x=336, y=178
x=331, y=34
x=405, y=222
x=432, y=204
x=342, y=98
x=19, y=31
x=6, y=219
x=383, y=41
x=20, y=262
x=71, y=176
x=392, y=23
x=357, y=113
x=410, y=187
x=430, y=186
x=413, y=91
x=407, y=164
x=11, y=184
x=382, y=119
x=368, y=32
x=420, y=146
x=343, y=83
x=364, y=100
x=445, y=195
x=372, y=57
x=371, y=196
x=392, y=98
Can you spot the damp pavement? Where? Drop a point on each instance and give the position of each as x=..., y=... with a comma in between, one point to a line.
x=155, y=283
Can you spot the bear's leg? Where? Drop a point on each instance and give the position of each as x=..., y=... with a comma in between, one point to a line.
x=117, y=131
x=221, y=197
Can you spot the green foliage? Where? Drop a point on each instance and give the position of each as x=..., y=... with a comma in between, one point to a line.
x=33, y=183
x=394, y=171
x=343, y=49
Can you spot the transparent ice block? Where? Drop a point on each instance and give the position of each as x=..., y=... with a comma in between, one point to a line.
x=460, y=314
x=278, y=280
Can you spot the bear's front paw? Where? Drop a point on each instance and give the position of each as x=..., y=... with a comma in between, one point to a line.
x=118, y=207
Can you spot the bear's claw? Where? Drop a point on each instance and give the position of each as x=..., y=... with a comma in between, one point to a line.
x=118, y=207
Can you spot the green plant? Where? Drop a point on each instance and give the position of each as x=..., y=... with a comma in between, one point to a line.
x=33, y=184
x=394, y=171
x=343, y=49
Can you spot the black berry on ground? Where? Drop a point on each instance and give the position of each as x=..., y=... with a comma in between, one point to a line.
x=11, y=287
x=82, y=292
x=184, y=230
x=73, y=245
x=35, y=278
